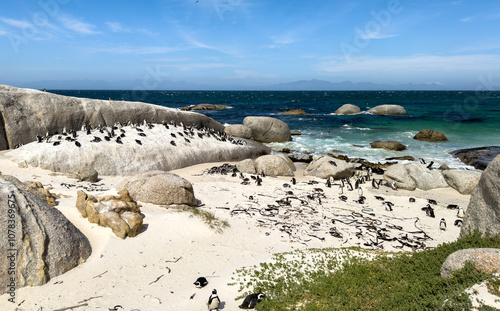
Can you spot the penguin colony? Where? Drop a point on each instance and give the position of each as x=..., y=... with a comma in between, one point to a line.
x=119, y=134
x=313, y=214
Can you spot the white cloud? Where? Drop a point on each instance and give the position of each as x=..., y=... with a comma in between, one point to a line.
x=117, y=27
x=375, y=36
x=16, y=22
x=412, y=64
x=78, y=26
x=143, y=50
x=3, y=33
x=201, y=66
x=466, y=19
x=248, y=74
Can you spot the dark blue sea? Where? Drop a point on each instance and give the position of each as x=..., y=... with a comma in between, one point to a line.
x=469, y=119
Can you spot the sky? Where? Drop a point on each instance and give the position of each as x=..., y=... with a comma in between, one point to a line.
x=245, y=43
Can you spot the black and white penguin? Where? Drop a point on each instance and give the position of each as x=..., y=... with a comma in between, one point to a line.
x=458, y=222
x=200, y=282
x=442, y=224
x=77, y=144
x=388, y=206
x=412, y=200
x=374, y=184
x=429, y=211
x=213, y=301
x=460, y=212
x=431, y=201
x=394, y=186
x=251, y=300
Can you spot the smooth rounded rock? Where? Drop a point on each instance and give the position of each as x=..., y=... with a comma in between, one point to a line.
x=388, y=109
x=430, y=135
x=348, y=109
x=274, y=165
x=267, y=129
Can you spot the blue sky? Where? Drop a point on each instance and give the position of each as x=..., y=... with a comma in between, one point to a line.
x=219, y=43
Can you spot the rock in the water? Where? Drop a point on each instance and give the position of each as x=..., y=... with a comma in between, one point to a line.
x=326, y=166
x=137, y=148
x=246, y=166
x=430, y=135
x=483, y=210
x=388, y=145
x=85, y=173
x=28, y=113
x=478, y=157
x=485, y=259
x=120, y=213
x=301, y=157
x=267, y=129
x=411, y=176
x=461, y=180
x=238, y=130
x=204, y=107
x=159, y=187
x=388, y=109
x=274, y=165
x=348, y=109
x=295, y=112
x=47, y=244
x=403, y=158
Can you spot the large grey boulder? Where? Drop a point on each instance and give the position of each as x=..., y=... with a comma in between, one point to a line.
x=410, y=176
x=274, y=165
x=462, y=180
x=27, y=113
x=430, y=135
x=485, y=259
x=483, y=211
x=47, y=244
x=144, y=148
x=348, y=109
x=267, y=129
x=326, y=167
x=388, y=109
x=85, y=173
x=159, y=187
x=246, y=166
x=238, y=130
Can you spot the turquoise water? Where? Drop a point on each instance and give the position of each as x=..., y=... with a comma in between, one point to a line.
x=468, y=119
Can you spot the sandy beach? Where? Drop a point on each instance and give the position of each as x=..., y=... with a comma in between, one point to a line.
x=156, y=269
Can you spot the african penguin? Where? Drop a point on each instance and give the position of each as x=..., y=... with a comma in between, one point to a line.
x=201, y=282
x=251, y=300
x=213, y=301
x=460, y=212
x=442, y=224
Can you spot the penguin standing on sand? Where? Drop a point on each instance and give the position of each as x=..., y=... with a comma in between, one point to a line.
x=251, y=300
x=442, y=224
x=460, y=212
x=213, y=301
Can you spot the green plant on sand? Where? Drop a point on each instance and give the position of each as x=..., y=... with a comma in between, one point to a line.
x=355, y=279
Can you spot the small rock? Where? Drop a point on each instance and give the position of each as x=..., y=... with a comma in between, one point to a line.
x=430, y=135
x=348, y=109
x=388, y=109
x=388, y=145
x=295, y=112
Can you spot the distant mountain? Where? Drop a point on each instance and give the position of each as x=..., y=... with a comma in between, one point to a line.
x=321, y=85
x=302, y=85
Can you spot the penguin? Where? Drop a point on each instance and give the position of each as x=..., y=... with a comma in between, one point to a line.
x=429, y=211
x=142, y=134
x=328, y=182
x=213, y=301
x=422, y=161
x=374, y=184
x=201, y=282
x=458, y=222
x=251, y=300
x=379, y=198
x=388, y=206
x=442, y=224
x=431, y=201
x=412, y=200
x=460, y=212
x=343, y=198
x=394, y=186
x=173, y=143
x=430, y=165
x=294, y=181
x=119, y=140
x=56, y=143
x=138, y=141
x=39, y=138
x=77, y=143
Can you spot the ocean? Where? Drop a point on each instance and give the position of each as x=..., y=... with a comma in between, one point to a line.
x=469, y=119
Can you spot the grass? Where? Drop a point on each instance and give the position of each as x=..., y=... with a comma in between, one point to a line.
x=210, y=219
x=352, y=279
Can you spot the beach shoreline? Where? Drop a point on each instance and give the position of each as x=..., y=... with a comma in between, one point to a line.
x=157, y=268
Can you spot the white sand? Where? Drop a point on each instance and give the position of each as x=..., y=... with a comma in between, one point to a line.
x=156, y=269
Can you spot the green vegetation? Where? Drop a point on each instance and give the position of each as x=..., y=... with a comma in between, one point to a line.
x=353, y=279
x=210, y=219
